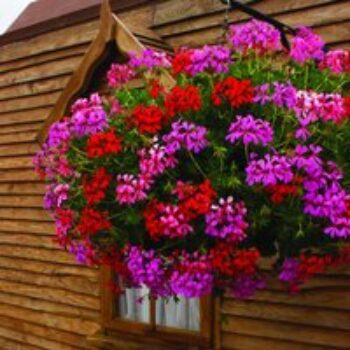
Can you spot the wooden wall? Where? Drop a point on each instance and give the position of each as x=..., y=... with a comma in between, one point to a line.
x=46, y=300
x=197, y=22
x=49, y=302
x=318, y=318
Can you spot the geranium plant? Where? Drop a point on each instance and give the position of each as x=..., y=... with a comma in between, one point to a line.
x=184, y=190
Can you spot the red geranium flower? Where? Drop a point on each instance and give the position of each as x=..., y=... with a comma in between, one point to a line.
x=233, y=262
x=92, y=221
x=183, y=99
x=310, y=265
x=64, y=222
x=236, y=92
x=103, y=143
x=279, y=192
x=156, y=89
x=181, y=62
x=148, y=119
x=166, y=220
x=195, y=200
x=347, y=107
x=348, y=208
x=95, y=188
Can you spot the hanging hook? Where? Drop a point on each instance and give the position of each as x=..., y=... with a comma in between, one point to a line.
x=283, y=28
x=226, y=22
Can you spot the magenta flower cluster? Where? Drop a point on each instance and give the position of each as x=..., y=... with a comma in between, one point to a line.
x=210, y=58
x=324, y=196
x=156, y=160
x=146, y=269
x=153, y=161
x=269, y=170
x=256, y=35
x=246, y=286
x=250, y=130
x=306, y=45
x=173, y=222
x=186, y=135
x=337, y=61
x=88, y=116
x=149, y=59
x=119, y=74
x=131, y=189
x=308, y=107
x=181, y=189
x=193, y=278
x=227, y=220
x=56, y=195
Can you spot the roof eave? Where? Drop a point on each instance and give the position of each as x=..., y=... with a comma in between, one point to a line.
x=73, y=18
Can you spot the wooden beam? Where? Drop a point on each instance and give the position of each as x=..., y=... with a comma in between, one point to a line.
x=111, y=29
x=92, y=57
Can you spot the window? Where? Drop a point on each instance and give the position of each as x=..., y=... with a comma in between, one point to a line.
x=188, y=321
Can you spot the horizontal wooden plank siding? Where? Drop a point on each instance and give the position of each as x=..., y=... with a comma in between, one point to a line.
x=317, y=318
x=197, y=22
x=47, y=301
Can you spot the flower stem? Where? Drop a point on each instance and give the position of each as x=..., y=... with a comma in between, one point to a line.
x=197, y=166
x=246, y=152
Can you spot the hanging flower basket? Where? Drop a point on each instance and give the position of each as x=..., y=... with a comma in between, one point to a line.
x=183, y=190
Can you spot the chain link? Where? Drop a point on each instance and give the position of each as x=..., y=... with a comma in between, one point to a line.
x=226, y=22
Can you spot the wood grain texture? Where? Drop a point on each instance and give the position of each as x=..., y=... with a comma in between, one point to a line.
x=40, y=343
x=36, y=87
x=19, y=150
x=8, y=344
x=232, y=341
x=42, y=71
x=24, y=214
x=64, y=281
x=23, y=176
x=316, y=318
x=205, y=19
x=8, y=129
x=24, y=201
x=50, y=42
x=38, y=59
x=287, y=332
x=24, y=117
x=38, y=304
x=205, y=27
x=301, y=315
x=16, y=162
x=37, y=253
x=23, y=188
x=65, y=323
x=62, y=337
x=27, y=239
x=174, y=11
x=53, y=295
x=52, y=269
x=19, y=137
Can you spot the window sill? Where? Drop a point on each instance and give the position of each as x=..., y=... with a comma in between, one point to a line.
x=119, y=341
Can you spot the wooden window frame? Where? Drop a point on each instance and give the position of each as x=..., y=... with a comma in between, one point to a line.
x=110, y=323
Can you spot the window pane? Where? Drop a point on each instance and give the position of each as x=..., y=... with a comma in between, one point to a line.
x=131, y=308
x=184, y=314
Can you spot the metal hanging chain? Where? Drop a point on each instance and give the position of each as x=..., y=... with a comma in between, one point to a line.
x=226, y=23
x=282, y=27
